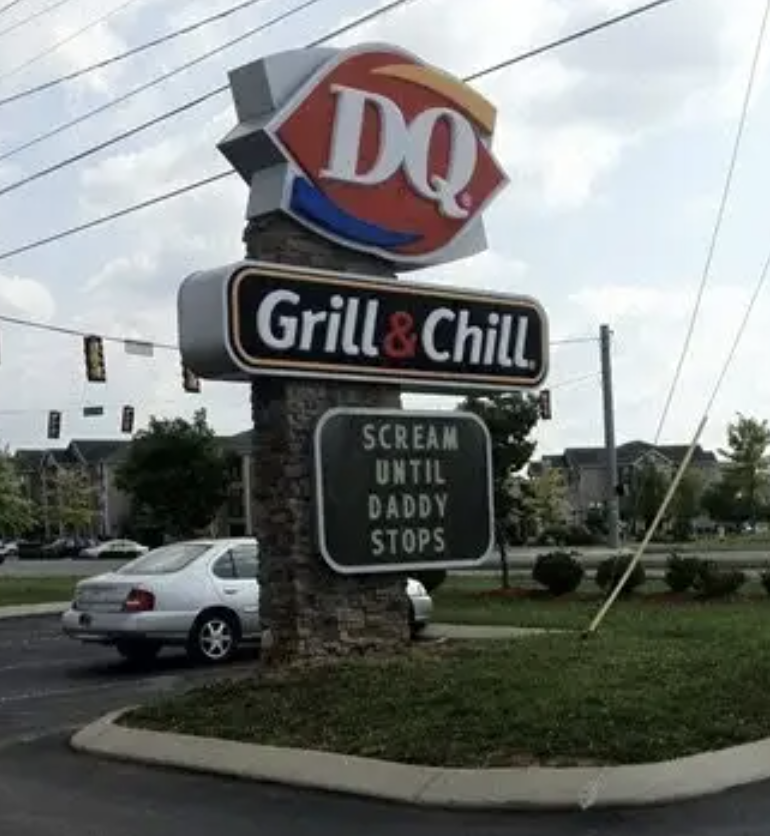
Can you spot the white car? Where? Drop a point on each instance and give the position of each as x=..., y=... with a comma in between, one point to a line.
x=199, y=594
x=118, y=548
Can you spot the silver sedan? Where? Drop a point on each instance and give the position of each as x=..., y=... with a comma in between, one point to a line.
x=198, y=594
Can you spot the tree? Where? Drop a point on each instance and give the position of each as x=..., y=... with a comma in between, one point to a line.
x=545, y=496
x=17, y=514
x=177, y=471
x=648, y=491
x=510, y=418
x=686, y=503
x=723, y=504
x=73, y=507
x=747, y=468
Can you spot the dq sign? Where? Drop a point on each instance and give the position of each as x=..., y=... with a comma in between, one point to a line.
x=382, y=153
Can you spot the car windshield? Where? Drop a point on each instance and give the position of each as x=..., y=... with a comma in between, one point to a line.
x=165, y=560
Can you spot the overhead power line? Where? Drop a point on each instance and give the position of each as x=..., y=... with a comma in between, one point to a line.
x=34, y=16
x=78, y=120
x=190, y=187
x=726, y=189
x=129, y=53
x=568, y=39
x=76, y=332
x=8, y=6
x=222, y=89
x=54, y=47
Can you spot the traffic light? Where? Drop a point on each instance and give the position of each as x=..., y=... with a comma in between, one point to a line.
x=96, y=368
x=544, y=404
x=127, y=420
x=54, y=424
x=190, y=381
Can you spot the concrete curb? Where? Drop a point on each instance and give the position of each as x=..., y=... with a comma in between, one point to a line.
x=29, y=610
x=514, y=789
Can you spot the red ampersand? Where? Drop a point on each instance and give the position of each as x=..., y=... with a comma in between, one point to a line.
x=400, y=343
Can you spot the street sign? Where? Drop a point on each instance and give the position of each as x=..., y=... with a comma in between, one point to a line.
x=255, y=318
x=400, y=491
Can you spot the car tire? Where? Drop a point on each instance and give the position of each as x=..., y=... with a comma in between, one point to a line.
x=138, y=652
x=214, y=638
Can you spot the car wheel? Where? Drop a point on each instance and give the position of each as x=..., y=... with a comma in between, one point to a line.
x=138, y=652
x=214, y=638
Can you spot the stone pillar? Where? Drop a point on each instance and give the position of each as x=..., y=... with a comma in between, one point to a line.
x=309, y=611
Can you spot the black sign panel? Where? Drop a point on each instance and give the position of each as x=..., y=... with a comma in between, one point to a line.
x=401, y=491
x=294, y=321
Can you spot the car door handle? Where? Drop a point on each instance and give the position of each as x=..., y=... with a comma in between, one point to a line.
x=230, y=591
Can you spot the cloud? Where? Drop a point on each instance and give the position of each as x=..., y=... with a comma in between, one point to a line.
x=584, y=132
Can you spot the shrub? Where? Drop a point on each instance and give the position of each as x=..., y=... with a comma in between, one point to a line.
x=713, y=581
x=555, y=535
x=682, y=572
x=431, y=579
x=612, y=569
x=580, y=535
x=559, y=572
x=764, y=579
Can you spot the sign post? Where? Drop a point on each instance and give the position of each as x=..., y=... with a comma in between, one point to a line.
x=402, y=491
x=360, y=163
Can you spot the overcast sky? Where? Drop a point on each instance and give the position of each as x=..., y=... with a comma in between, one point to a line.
x=616, y=147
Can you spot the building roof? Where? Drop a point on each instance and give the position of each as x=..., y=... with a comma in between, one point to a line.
x=97, y=450
x=628, y=454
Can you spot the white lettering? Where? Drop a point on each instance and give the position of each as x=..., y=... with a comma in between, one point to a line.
x=463, y=335
x=504, y=358
x=398, y=543
x=370, y=326
x=402, y=145
x=346, y=137
x=409, y=437
x=519, y=358
x=282, y=334
x=349, y=345
x=462, y=159
x=428, y=341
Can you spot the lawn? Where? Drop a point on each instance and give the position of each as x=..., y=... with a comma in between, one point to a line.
x=660, y=680
x=35, y=590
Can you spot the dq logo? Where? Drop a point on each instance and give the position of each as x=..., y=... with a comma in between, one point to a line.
x=389, y=155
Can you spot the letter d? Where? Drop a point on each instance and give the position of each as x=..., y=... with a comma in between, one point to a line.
x=375, y=507
x=346, y=137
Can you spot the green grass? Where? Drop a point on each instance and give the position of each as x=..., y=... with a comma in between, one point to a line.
x=35, y=590
x=658, y=681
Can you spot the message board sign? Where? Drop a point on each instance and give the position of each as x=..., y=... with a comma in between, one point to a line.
x=398, y=491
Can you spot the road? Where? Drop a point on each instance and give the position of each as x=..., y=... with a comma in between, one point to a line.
x=50, y=685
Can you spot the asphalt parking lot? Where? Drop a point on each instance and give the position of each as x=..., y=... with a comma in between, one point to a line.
x=50, y=685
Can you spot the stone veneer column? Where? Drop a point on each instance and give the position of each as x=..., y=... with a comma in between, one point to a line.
x=309, y=611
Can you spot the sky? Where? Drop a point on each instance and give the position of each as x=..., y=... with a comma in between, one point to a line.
x=616, y=147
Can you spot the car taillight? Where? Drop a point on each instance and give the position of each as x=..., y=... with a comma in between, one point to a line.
x=139, y=600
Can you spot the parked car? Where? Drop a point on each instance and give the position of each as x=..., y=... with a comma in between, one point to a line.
x=9, y=549
x=115, y=549
x=199, y=594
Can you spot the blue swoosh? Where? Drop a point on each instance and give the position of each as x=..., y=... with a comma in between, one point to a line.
x=308, y=201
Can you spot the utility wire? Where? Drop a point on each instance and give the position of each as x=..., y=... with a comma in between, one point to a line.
x=218, y=91
x=568, y=39
x=8, y=6
x=726, y=189
x=75, y=332
x=34, y=16
x=129, y=53
x=78, y=120
x=64, y=41
x=66, y=233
